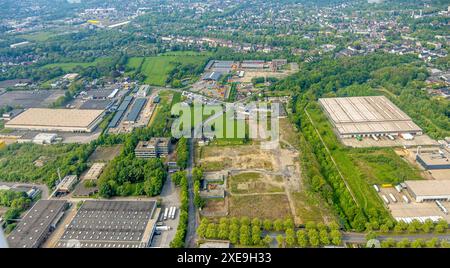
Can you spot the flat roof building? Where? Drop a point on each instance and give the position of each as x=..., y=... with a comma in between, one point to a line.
x=429, y=190
x=45, y=138
x=120, y=111
x=366, y=116
x=156, y=147
x=37, y=224
x=94, y=172
x=253, y=64
x=212, y=76
x=439, y=159
x=67, y=184
x=136, y=109
x=65, y=120
x=111, y=224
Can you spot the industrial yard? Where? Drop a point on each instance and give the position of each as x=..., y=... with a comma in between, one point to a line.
x=234, y=80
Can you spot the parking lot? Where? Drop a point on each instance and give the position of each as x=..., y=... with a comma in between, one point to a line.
x=401, y=209
x=420, y=140
x=30, y=99
x=170, y=197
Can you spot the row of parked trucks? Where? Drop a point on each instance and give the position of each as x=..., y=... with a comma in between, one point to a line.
x=399, y=189
x=392, y=198
x=169, y=213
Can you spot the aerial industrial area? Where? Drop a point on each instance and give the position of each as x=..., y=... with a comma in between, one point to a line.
x=93, y=97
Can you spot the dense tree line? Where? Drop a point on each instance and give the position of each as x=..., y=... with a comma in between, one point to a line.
x=246, y=232
x=197, y=176
x=182, y=153
x=180, y=236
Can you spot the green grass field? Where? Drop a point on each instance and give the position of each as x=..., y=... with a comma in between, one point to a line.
x=70, y=66
x=38, y=36
x=157, y=68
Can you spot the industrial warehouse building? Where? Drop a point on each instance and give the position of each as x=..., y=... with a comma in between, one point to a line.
x=136, y=109
x=65, y=120
x=429, y=190
x=111, y=224
x=156, y=147
x=367, y=116
x=37, y=224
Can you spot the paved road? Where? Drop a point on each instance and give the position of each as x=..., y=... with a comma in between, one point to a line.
x=191, y=235
x=361, y=237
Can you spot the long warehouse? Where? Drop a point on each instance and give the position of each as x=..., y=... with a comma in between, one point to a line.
x=429, y=190
x=366, y=116
x=37, y=224
x=65, y=120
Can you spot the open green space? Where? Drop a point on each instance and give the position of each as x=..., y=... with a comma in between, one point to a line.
x=70, y=66
x=34, y=163
x=157, y=69
x=38, y=36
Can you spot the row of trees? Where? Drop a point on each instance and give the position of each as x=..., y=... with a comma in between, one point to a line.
x=312, y=236
x=197, y=175
x=242, y=231
x=413, y=227
x=418, y=243
x=180, y=180
x=248, y=232
x=182, y=153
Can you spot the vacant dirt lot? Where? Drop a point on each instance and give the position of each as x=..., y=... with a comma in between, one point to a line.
x=234, y=157
x=255, y=182
x=105, y=154
x=273, y=206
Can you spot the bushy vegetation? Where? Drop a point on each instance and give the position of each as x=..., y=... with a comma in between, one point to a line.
x=19, y=162
x=182, y=153
x=246, y=232
x=197, y=175
x=17, y=202
x=182, y=182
